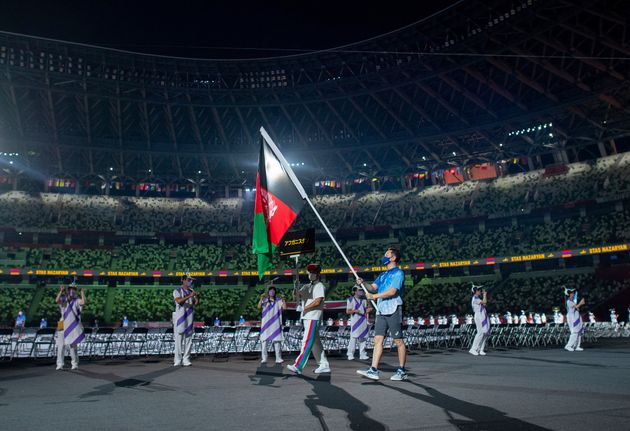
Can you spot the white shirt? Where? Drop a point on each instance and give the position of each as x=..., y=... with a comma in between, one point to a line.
x=308, y=294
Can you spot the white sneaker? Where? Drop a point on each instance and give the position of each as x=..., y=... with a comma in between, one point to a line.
x=186, y=363
x=482, y=353
x=321, y=369
x=570, y=349
x=364, y=358
x=369, y=373
x=263, y=361
x=294, y=369
x=579, y=349
x=59, y=367
x=279, y=361
x=399, y=375
x=75, y=367
x=177, y=364
x=472, y=352
x=351, y=358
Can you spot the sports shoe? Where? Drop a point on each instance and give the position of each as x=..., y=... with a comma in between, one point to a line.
x=177, y=364
x=364, y=358
x=579, y=349
x=59, y=367
x=570, y=349
x=351, y=358
x=279, y=361
x=295, y=369
x=321, y=369
x=370, y=373
x=186, y=363
x=473, y=352
x=75, y=367
x=482, y=353
x=399, y=375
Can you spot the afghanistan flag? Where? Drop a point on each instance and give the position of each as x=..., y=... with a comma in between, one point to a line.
x=279, y=199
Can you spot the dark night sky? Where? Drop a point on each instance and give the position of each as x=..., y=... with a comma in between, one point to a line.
x=188, y=28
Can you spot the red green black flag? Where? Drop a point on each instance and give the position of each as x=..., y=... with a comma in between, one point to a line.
x=279, y=199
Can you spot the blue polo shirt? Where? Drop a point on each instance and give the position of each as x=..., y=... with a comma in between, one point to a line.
x=394, y=277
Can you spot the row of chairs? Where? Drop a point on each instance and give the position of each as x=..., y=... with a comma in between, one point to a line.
x=133, y=342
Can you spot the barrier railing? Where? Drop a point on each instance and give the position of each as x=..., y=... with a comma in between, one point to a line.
x=136, y=342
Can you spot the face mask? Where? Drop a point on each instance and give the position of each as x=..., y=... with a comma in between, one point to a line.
x=272, y=293
x=312, y=277
x=385, y=260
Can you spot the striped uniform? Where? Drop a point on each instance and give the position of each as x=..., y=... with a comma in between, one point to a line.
x=271, y=321
x=72, y=333
x=183, y=318
x=482, y=323
x=358, y=322
x=574, y=320
x=481, y=316
x=358, y=327
x=73, y=329
x=271, y=328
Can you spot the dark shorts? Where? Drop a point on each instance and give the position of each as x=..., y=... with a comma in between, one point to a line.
x=391, y=322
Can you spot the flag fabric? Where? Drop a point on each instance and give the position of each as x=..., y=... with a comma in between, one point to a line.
x=278, y=202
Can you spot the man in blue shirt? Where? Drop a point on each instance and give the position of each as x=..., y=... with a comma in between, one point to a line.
x=388, y=290
x=20, y=320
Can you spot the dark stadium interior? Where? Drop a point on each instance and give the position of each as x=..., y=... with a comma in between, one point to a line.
x=488, y=140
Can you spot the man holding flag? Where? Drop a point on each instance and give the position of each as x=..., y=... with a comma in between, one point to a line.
x=388, y=291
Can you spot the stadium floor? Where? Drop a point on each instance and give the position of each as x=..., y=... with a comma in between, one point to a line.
x=506, y=390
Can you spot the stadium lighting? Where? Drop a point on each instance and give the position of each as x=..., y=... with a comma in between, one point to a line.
x=454, y=153
x=364, y=164
x=111, y=169
x=424, y=158
x=198, y=172
x=551, y=135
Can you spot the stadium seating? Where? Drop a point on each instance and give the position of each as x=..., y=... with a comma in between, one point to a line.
x=603, y=178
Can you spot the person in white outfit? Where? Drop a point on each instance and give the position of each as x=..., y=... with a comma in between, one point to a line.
x=69, y=328
x=311, y=297
x=482, y=322
x=574, y=320
x=272, y=307
x=185, y=300
x=358, y=309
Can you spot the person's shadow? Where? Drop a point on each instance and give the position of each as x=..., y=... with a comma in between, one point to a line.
x=330, y=396
x=480, y=416
x=324, y=395
x=266, y=376
x=143, y=381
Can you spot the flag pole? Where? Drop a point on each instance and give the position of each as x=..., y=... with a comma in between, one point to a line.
x=300, y=189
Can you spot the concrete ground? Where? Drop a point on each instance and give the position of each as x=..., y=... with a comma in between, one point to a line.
x=505, y=390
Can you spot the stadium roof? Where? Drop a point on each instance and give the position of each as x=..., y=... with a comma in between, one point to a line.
x=477, y=81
